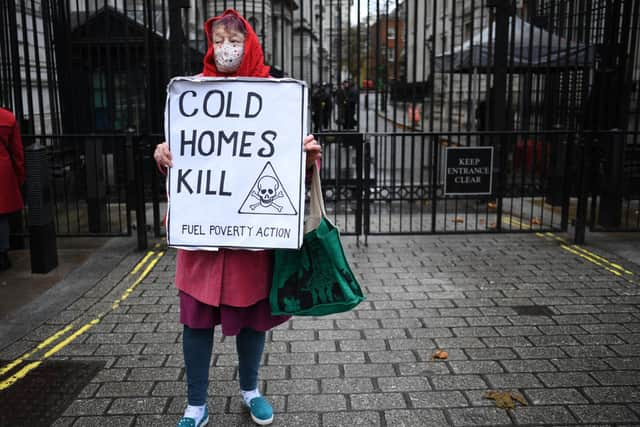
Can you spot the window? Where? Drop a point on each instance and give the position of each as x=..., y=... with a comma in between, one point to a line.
x=391, y=55
x=100, y=104
x=391, y=32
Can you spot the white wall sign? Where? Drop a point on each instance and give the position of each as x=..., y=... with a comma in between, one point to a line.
x=238, y=166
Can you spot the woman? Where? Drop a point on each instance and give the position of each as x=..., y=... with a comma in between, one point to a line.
x=11, y=178
x=227, y=287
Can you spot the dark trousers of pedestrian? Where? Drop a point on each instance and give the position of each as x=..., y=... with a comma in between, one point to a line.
x=197, y=345
x=4, y=242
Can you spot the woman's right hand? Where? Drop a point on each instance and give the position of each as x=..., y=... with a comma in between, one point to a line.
x=162, y=155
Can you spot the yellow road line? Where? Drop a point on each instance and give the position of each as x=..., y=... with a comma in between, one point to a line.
x=84, y=328
x=18, y=375
x=141, y=263
x=591, y=260
x=6, y=368
x=600, y=261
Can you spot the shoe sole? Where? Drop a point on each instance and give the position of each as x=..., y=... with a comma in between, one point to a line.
x=261, y=422
x=204, y=422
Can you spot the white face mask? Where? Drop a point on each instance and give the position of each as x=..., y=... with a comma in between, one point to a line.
x=228, y=56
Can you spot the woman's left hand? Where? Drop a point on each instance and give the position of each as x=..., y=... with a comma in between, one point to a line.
x=312, y=148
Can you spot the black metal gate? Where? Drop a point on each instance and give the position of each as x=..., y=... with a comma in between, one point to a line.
x=551, y=85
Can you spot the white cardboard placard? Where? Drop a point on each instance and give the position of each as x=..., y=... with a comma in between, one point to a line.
x=237, y=179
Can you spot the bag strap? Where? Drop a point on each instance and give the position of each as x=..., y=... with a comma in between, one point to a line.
x=317, y=209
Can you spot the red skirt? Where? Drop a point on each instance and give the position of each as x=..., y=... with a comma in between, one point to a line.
x=198, y=315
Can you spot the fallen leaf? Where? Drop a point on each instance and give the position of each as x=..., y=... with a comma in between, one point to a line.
x=457, y=220
x=536, y=221
x=505, y=399
x=492, y=205
x=493, y=226
x=440, y=354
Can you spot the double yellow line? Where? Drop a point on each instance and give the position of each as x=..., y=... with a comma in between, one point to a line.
x=583, y=253
x=145, y=265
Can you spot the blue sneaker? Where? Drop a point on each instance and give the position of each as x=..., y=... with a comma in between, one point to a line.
x=261, y=411
x=191, y=422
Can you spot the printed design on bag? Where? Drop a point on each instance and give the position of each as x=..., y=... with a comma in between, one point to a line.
x=267, y=196
x=312, y=284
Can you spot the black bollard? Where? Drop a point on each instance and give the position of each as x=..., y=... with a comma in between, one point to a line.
x=42, y=234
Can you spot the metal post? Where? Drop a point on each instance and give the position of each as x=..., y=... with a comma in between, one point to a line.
x=584, y=158
x=610, y=208
x=141, y=211
x=499, y=93
x=566, y=183
x=176, y=36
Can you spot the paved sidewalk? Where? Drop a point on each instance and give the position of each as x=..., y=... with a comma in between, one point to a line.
x=576, y=362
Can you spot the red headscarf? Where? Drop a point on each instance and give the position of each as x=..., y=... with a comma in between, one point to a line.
x=252, y=64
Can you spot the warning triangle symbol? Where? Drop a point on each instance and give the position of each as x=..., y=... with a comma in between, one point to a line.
x=267, y=196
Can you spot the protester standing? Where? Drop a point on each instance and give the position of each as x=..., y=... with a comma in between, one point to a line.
x=227, y=287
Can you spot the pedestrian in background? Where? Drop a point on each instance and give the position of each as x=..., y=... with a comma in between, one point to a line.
x=227, y=287
x=11, y=179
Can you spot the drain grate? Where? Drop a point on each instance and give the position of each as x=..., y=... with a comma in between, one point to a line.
x=533, y=310
x=41, y=397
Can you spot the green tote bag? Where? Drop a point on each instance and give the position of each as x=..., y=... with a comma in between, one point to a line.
x=315, y=280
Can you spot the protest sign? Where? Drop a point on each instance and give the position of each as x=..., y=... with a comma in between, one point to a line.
x=238, y=166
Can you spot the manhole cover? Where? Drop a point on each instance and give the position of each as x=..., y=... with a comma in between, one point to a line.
x=41, y=397
x=533, y=310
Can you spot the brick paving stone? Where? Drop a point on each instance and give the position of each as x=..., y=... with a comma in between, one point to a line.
x=316, y=403
x=354, y=418
x=490, y=353
x=579, y=364
x=403, y=384
x=369, y=370
x=105, y=421
x=311, y=371
x=164, y=420
x=297, y=420
x=411, y=344
x=530, y=365
x=458, y=382
x=626, y=349
x=291, y=359
x=475, y=367
x=364, y=401
x=311, y=346
x=137, y=405
x=542, y=415
x=596, y=413
x=617, y=377
x=297, y=386
x=437, y=399
x=558, y=396
x=428, y=369
x=339, y=357
x=465, y=342
x=598, y=339
x=84, y=407
x=566, y=379
x=415, y=417
x=613, y=394
x=346, y=385
x=623, y=364
x=510, y=381
x=475, y=332
x=390, y=356
x=539, y=353
x=154, y=374
x=125, y=389
x=479, y=417
x=515, y=341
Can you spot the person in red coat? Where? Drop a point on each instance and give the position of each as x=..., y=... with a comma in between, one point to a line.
x=227, y=287
x=11, y=178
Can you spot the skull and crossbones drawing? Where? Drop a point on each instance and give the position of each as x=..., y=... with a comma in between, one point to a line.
x=267, y=193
